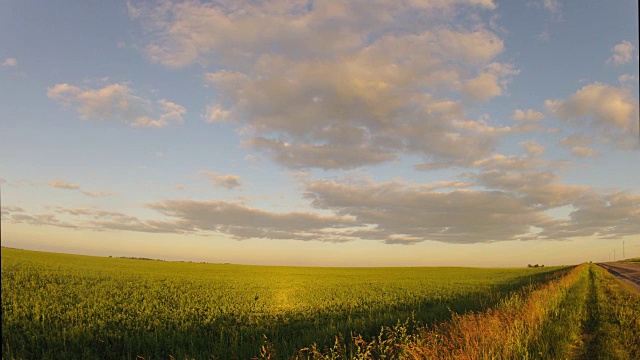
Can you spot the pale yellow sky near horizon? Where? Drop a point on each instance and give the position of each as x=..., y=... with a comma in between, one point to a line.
x=315, y=253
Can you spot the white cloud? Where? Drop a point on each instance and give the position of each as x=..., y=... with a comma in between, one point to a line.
x=61, y=184
x=244, y=222
x=228, y=181
x=483, y=87
x=583, y=151
x=359, y=77
x=527, y=115
x=10, y=62
x=575, y=140
x=622, y=53
x=607, y=111
x=216, y=114
x=628, y=79
x=554, y=7
x=117, y=102
x=420, y=213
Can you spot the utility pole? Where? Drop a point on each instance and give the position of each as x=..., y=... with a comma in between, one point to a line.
x=623, y=257
x=614, y=254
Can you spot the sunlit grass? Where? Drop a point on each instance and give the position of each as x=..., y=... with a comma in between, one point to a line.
x=68, y=306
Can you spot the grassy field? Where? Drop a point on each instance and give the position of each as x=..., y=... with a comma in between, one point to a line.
x=68, y=306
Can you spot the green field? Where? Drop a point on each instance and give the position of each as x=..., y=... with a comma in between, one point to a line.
x=71, y=306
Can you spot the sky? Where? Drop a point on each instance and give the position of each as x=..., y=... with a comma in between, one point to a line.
x=322, y=133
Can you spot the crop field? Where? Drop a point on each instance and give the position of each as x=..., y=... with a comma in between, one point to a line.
x=68, y=306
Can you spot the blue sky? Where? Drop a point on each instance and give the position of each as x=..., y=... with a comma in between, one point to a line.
x=362, y=133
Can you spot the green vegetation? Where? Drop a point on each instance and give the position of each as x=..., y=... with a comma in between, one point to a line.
x=612, y=322
x=69, y=306
x=587, y=314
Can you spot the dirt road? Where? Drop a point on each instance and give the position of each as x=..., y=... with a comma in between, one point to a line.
x=628, y=272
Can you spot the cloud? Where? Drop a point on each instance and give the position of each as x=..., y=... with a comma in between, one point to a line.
x=117, y=102
x=228, y=181
x=483, y=87
x=215, y=114
x=628, y=80
x=98, y=193
x=583, y=151
x=244, y=222
x=10, y=62
x=61, y=184
x=513, y=206
x=527, y=115
x=607, y=216
x=554, y=7
x=622, y=53
x=608, y=112
x=575, y=140
x=533, y=148
x=402, y=213
x=339, y=86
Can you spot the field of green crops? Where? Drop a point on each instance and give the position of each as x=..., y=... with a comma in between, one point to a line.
x=69, y=306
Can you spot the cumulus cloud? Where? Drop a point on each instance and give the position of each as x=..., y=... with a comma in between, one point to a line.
x=622, y=53
x=527, y=115
x=61, y=184
x=370, y=79
x=10, y=62
x=117, y=102
x=228, y=181
x=610, y=112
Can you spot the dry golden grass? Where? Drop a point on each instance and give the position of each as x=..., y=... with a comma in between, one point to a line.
x=511, y=331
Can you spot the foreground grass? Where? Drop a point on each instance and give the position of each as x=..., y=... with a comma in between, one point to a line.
x=587, y=314
x=612, y=322
x=66, y=306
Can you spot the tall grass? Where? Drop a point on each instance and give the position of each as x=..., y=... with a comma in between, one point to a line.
x=587, y=314
x=67, y=306
x=612, y=323
x=519, y=328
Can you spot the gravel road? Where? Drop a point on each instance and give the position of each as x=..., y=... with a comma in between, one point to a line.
x=628, y=272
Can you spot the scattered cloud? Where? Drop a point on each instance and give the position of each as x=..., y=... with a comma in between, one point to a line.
x=244, y=222
x=606, y=111
x=583, y=151
x=10, y=62
x=554, y=7
x=98, y=193
x=117, y=102
x=61, y=184
x=512, y=205
x=628, y=80
x=575, y=140
x=228, y=181
x=622, y=53
x=527, y=115
x=340, y=86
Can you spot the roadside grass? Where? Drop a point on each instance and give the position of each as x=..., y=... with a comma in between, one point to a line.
x=587, y=314
x=541, y=321
x=613, y=319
